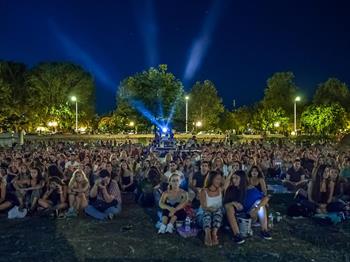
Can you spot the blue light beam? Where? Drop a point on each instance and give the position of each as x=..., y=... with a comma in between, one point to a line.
x=145, y=16
x=77, y=53
x=202, y=43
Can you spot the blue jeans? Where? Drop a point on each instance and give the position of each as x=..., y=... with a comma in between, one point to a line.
x=93, y=212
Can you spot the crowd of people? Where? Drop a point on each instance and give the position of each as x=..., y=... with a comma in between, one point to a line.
x=212, y=183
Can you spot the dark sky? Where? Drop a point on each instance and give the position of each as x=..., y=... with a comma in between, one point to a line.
x=236, y=44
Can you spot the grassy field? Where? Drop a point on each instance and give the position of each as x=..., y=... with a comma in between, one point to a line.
x=132, y=237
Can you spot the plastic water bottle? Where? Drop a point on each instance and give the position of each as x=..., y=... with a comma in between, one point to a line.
x=188, y=224
x=271, y=220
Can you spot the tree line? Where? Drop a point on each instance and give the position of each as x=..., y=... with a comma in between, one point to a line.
x=32, y=97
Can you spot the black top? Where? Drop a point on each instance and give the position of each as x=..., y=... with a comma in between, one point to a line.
x=200, y=179
x=307, y=164
x=295, y=176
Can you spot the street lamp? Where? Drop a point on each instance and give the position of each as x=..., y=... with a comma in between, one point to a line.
x=74, y=99
x=297, y=99
x=187, y=98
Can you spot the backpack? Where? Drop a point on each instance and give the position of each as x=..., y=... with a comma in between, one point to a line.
x=298, y=210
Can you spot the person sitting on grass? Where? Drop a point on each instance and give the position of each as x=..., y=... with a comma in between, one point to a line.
x=295, y=178
x=320, y=190
x=105, y=199
x=211, y=203
x=256, y=179
x=78, y=190
x=34, y=190
x=54, y=199
x=21, y=182
x=127, y=177
x=172, y=203
x=241, y=198
x=5, y=203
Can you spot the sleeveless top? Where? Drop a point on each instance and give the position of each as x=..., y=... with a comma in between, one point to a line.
x=174, y=201
x=215, y=202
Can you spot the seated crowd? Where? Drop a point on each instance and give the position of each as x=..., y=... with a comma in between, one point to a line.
x=212, y=183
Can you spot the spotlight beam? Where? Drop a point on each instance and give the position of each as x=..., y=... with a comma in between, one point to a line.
x=203, y=41
x=72, y=49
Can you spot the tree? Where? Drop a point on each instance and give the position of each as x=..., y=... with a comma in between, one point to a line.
x=205, y=104
x=51, y=85
x=152, y=96
x=242, y=118
x=333, y=91
x=324, y=119
x=270, y=119
x=226, y=121
x=280, y=92
x=13, y=95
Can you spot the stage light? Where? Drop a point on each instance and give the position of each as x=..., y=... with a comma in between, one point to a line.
x=164, y=129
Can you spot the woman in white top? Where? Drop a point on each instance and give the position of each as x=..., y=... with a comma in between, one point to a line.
x=211, y=203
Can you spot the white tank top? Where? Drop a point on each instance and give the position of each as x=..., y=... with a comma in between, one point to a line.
x=215, y=202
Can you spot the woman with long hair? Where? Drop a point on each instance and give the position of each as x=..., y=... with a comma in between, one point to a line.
x=172, y=202
x=127, y=177
x=242, y=198
x=256, y=179
x=34, y=191
x=321, y=189
x=78, y=189
x=211, y=203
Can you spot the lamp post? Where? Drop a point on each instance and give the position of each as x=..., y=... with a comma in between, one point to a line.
x=74, y=99
x=187, y=98
x=297, y=99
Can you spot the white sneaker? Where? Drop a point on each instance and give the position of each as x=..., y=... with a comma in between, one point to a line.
x=162, y=229
x=22, y=214
x=12, y=213
x=170, y=228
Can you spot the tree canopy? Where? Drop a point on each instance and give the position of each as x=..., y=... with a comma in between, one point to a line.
x=43, y=93
x=324, y=119
x=150, y=96
x=280, y=92
x=205, y=105
x=333, y=91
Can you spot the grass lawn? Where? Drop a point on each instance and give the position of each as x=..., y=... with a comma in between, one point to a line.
x=132, y=237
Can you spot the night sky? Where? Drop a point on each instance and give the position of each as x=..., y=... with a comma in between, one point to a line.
x=235, y=44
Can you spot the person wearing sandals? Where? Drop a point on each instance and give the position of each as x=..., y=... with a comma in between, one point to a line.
x=54, y=199
x=211, y=203
x=172, y=203
x=241, y=198
x=78, y=190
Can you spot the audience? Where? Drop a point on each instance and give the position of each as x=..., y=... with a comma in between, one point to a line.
x=67, y=180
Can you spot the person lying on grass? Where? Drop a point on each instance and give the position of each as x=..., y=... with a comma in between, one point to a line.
x=172, y=203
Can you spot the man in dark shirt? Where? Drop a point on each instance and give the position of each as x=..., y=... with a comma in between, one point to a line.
x=307, y=163
x=198, y=179
x=295, y=178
